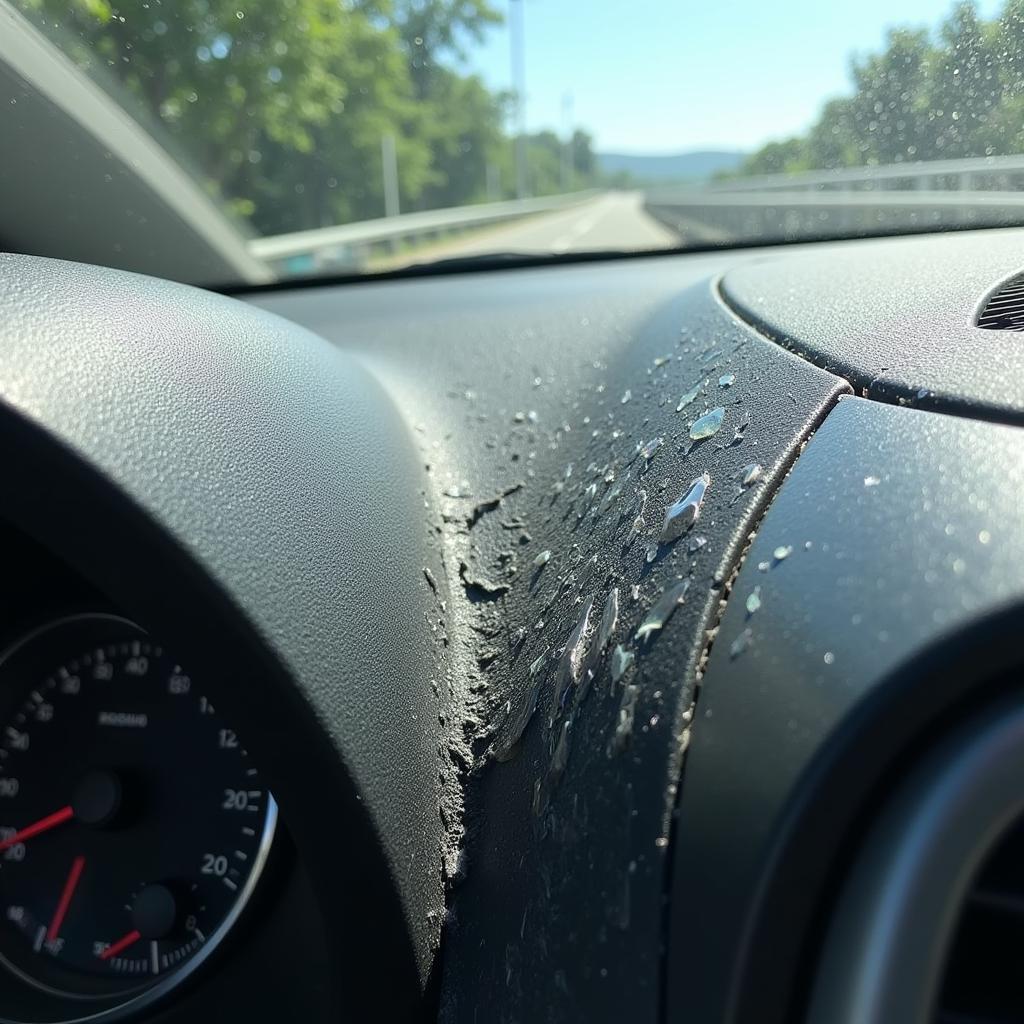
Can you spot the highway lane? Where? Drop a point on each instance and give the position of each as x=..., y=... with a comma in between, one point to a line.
x=612, y=220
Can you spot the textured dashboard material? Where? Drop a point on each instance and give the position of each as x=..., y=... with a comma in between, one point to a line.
x=248, y=491
x=896, y=317
x=532, y=393
x=423, y=562
x=889, y=583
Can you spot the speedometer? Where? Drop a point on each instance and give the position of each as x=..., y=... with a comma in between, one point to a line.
x=133, y=826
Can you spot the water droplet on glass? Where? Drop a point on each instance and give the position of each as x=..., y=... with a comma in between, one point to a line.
x=590, y=493
x=696, y=543
x=623, y=733
x=685, y=512
x=872, y=481
x=663, y=609
x=708, y=425
x=652, y=552
x=741, y=643
x=754, y=601
x=542, y=559
x=661, y=361
x=572, y=658
x=613, y=493
x=609, y=618
x=763, y=566
x=621, y=660
x=727, y=380
x=506, y=748
x=560, y=758
x=829, y=658
x=649, y=449
x=984, y=537
x=626, y=396
x=634, y=592
x=539, y=798
x=782, y=552
x=639, y=523
x=688, y=397
x=750, y=474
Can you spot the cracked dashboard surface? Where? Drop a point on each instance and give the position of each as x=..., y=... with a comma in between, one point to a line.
x=532, y=592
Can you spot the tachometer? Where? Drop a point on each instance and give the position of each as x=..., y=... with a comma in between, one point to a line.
x=133, y=826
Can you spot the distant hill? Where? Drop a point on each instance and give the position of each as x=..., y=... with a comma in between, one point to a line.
x=694, y=166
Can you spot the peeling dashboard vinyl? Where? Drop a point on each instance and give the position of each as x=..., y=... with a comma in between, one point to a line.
x=593, y=486
x=471, y=569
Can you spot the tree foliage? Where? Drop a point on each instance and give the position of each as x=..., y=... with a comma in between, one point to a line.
x=281, y=106
x=954, y=92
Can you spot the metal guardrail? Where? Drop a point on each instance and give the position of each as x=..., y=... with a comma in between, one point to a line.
x=998, y=173
x=350, y=245
x=715, y=217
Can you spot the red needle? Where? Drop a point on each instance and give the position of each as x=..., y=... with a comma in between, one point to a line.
x=65, y=898
x=122, y=943
x=42, y=825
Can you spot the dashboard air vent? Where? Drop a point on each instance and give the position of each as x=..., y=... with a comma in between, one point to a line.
x=983, y=979
x=1004, y=310
x=929, y=925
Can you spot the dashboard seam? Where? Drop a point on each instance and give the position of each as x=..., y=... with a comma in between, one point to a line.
x=866, y=386
x=713, y=623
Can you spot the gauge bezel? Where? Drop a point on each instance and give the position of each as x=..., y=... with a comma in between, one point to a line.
x=133, y=1001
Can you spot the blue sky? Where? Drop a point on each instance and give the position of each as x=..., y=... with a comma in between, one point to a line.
x=663, y=76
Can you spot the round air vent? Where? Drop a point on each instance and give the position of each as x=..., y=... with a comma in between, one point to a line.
x=929, y=925
x=983, y=980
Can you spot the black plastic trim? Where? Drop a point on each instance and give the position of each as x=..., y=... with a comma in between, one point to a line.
x=906, y=602
x=893, y=926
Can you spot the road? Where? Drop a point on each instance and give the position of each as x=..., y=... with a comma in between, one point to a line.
x=612, y=220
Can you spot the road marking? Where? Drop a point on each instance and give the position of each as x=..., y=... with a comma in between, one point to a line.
x=584, y=225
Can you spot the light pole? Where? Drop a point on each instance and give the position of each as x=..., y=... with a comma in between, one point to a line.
x=567, y=153
x=517, y=56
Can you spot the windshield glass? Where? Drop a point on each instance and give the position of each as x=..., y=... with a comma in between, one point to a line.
x=298, y=137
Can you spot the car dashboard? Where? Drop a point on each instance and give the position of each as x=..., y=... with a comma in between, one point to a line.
x=624, y=640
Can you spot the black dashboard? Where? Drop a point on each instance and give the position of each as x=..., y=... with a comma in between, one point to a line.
x=631, y=640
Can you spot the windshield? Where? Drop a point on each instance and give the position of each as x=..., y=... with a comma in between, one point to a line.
x=297, y=137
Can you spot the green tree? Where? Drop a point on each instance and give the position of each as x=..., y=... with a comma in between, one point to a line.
x=461, y=117
x=278, y=102
x=777, y=157
x=889, y=109
x=281, y=105
x=965, y=89
x=957, y=92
